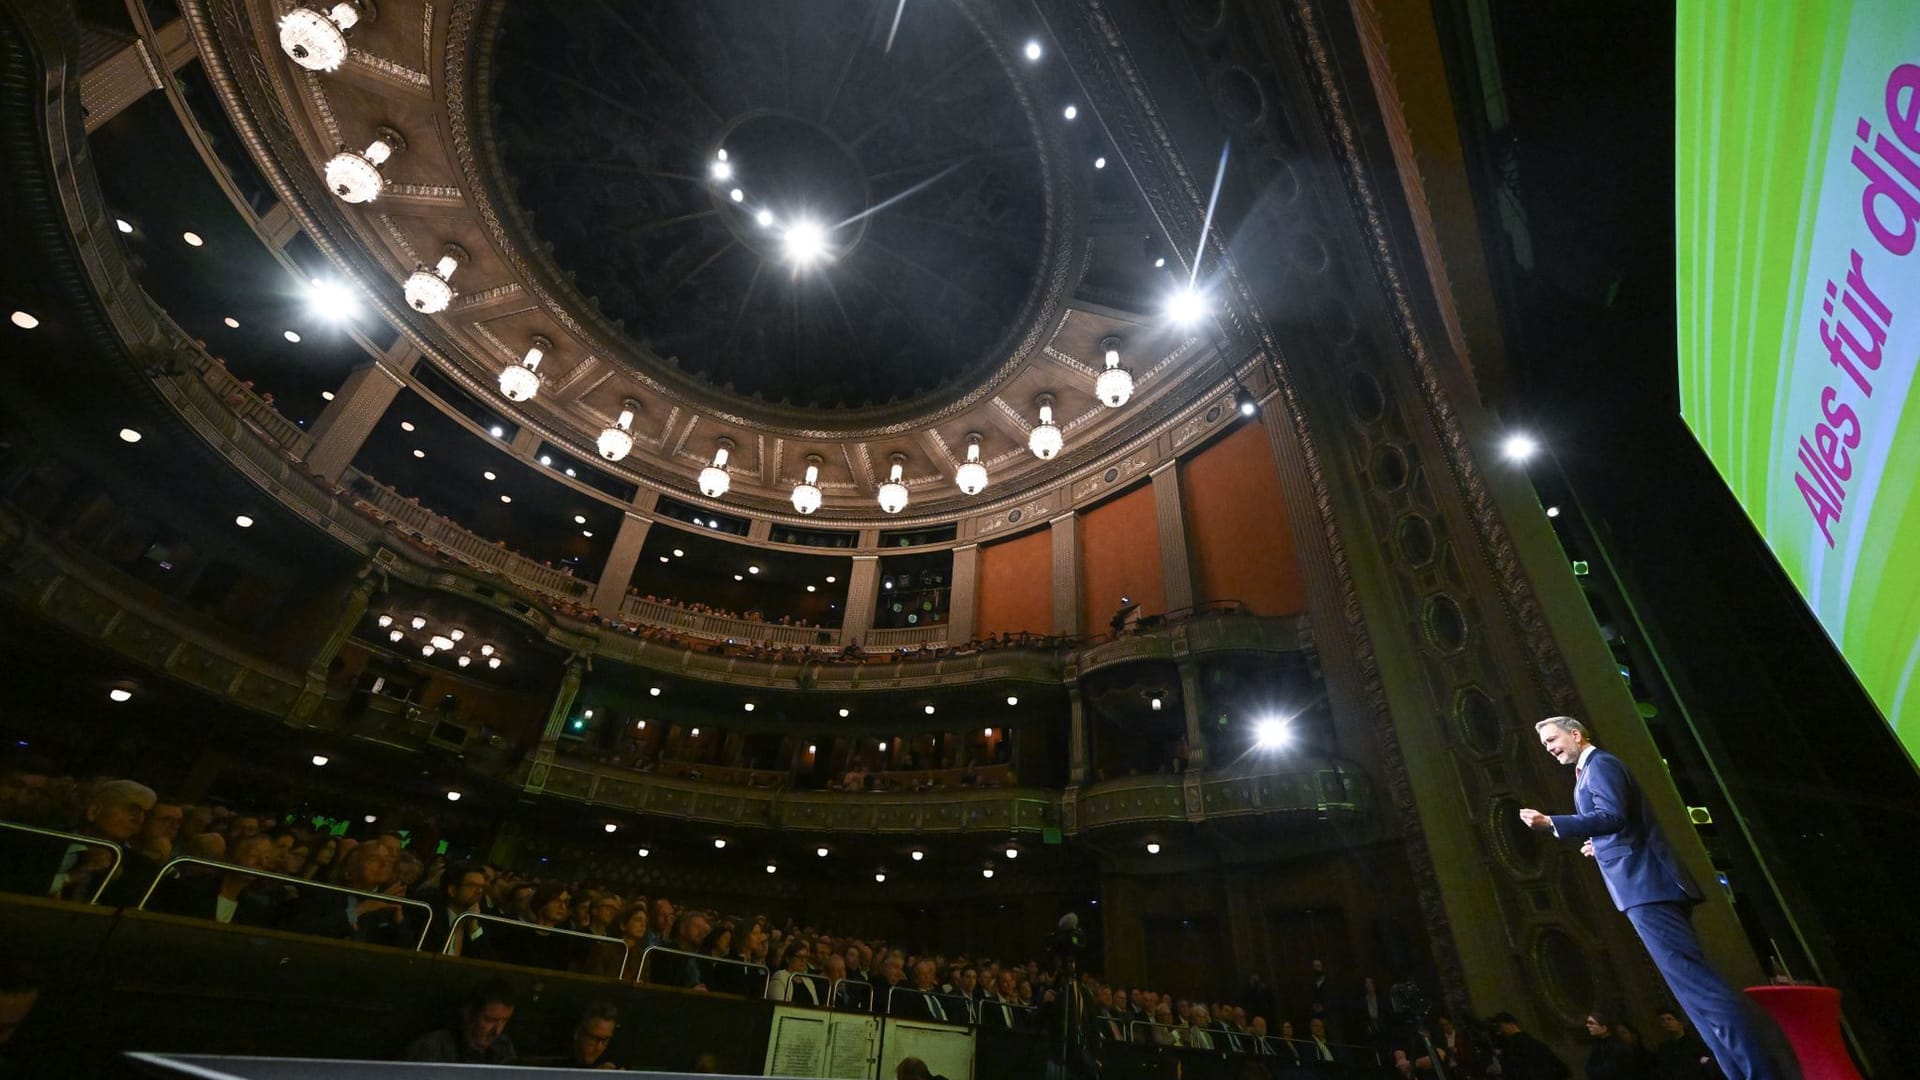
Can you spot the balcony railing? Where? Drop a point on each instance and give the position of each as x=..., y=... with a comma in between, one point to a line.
x=715, y=627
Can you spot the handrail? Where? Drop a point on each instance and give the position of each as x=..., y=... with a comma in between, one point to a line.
x=460, y=542
x=453, y=934
x=833, y=991
x=71, y=838
x=426, y=924
x=1005, y=1005
x=717, y=627
x=1222, y=1039
x=811, y=979
x=766, y=974
x=897, y=987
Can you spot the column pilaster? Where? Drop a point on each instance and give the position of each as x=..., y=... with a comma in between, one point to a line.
x=356, y=408
x=862, y=585
x=1170, y=516
x=963, y=602
x=1066, y=575
x=622, y=558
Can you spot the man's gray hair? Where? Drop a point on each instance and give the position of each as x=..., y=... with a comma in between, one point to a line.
x=1565, y=723
x=112, y=792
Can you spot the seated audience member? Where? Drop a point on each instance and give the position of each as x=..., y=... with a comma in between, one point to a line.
x=156, y=839
x=19, y=993
x=602, y=913
x=674, y=969
x=1164, y=1032
x=1684, y=1056
x=1521, y=1056
x=1608, y=1058
x=536, y=945
x=459, y=894
x=227, y=897
x=792, y=983
x=1642, y=1055
x=324, y=913
x=480, y=1035
x=890, y=989
x=1199, y=1020
x=846, y=993
x=608, y=960
x=912, y=1068
x=587, y=1049
x=113, y=813
x=1318, y=1048
x=1454, y=1045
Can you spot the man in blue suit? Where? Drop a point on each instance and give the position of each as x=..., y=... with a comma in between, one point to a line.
x=1648, y=884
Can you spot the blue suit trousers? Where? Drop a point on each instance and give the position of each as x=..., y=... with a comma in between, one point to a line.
x=1724, y=1019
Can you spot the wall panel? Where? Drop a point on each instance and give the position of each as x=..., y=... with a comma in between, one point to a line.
x=1241, y=541
x=1016, y=586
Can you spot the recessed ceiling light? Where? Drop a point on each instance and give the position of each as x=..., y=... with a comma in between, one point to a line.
x=192, y=239
x=1033, y=49
x=737, y=195
x=929, y=710
x=123, y=224
x=232, y=323
x=772, y=869
x=1553, y=511
x=1071, y=112
x=677, y=553
x=748, y=706
x=663, y=558
x=292, y=335
x=453, y=796
x=653, y=691
x=753, y=569
x=326, y=395
x=506, y=498
x=719, y=842
x=611, y=827
x=497, y=431
x=24, y=320
x=986, y=871
x=118, y=694
x=918, y=854
x=243, y=521
x=129, y=435
x=721, y=170
x=820, y=851
x=1159, y=262
x=406, y=425
x=642, y=852
x=829, y=579
x=319, y=760
x=739, y=577
x=545, y=460
x=764, y=219
x=880, y=877
x=419, y=453
x=570, y=472
x=1012, y=700
x=588, y=533
x=1013, y=853
x=579, y=519
x=1153, y=849
x=844, y=713
x=1099, y=163
x=489, y=475
x=809, y=588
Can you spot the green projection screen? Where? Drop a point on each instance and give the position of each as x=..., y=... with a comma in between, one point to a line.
x=1798, y=209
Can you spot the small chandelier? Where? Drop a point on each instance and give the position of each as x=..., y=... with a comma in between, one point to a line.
x=317, y=40
x=519, y=382
x=714, y=479
x=893, y=493
x=971, y=475
x=1115, y=384
x=616, y=439
x=806, y=493
x=429, y=291
x=1045, y=440
x=354, y=175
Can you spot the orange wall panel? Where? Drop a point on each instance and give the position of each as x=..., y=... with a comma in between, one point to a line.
x=1238, y=534
x=1120, y=556
x=1014, y=590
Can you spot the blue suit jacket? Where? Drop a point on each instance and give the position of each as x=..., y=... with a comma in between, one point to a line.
x=1637, y=863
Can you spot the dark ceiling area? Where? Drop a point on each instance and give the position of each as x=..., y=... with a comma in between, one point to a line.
x=691, y=566
x=609, y=118
x=230, y=275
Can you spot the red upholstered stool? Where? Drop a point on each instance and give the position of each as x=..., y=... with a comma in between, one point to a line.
x=1810, y=1018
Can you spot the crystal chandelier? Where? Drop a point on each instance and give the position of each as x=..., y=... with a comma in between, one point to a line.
x=1115, y=384
x=893, y=493
x=429, y=291
x=519, y=382
x=317, y=40
x=354, y=175
x=616, y=439
x=714, y=479
x=1045, y=440
x=806, y=493
x=971, y=475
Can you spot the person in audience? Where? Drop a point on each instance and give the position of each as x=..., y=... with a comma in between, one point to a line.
x=1318, y=1048
x=792, y=983
x=1198, y=1021
x=690, y=929
x=537, y=946
x=114, y=813
x=155, y=841
x=912, y=1068
x=462, y=885
x=660, y=926
x=607, y=960
x=320, y=861
x=227, y=897
x=587, y=1049
x=892, y=976
x=1164, y=1031
x=1608, y=1058
x=325, y=913
x=1286, y=1047
x=1523, y=1057
x=926, y=1001
x=846, y=993
x=718, y=942
x=602, y=913
x=479, y=1037
x=1454, y=1044
x=1684, y=1056
x=1642, y=1055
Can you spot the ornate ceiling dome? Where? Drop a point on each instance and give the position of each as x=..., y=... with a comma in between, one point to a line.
x=666, y=159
